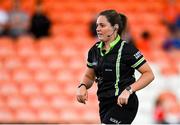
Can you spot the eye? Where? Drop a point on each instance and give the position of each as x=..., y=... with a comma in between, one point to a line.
x=101, y=25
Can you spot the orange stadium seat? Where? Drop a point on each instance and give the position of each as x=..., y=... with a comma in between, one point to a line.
x=29, y=89
x=5, y=75
x=63, y=76
x=26, y=52
x=70, y=90
x=55, y=64
x=58, y=102
x=2, y=101
x=6, y=47
x=157, y=7
x=8, y=89
x=6, y=115
x=178, y=7
x=70, y=115
x=91, y=116
x=44, y=42
x=25, y=41
x=15, y=102
x=92, y=94
x=21, y=75
x=57, y=30
x=57, y=40
x=47, y=50
x=51, y=89
x=28, y=6
x=6, y=4
x=68, y=52
x=75, y=63
x=85, y=18
x=13, y=63
x=38, y=102
x=43, y=75
x=25, y=115
x=35, y=63
x=48, y=115
x=25, y=47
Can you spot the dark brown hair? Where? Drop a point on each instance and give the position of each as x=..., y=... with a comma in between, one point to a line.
x=115, y=18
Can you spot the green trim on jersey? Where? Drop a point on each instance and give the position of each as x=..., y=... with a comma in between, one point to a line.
x=89, y=64
x=118, y=68
x=112, y=44
x=138, y=62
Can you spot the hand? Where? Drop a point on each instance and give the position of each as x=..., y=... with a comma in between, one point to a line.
x=123, y=98
x=82, y=94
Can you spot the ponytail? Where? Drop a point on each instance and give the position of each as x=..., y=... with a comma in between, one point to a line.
x=122, y=23
x=116, y=18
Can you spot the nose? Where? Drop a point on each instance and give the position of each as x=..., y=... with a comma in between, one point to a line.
x=97, y=29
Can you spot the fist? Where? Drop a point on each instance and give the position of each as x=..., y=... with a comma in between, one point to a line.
x=82, y=94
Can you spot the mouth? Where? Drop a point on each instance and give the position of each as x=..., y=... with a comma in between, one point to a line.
x=99, y=34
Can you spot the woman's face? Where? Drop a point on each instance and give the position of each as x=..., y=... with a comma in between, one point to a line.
x=104, y=29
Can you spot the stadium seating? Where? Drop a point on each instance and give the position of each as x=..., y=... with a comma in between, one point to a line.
x=38, y=78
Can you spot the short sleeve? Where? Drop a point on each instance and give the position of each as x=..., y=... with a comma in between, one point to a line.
x=90, y=58
x=135, y=58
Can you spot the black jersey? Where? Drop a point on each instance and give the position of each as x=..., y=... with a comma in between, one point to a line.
x=115, y=68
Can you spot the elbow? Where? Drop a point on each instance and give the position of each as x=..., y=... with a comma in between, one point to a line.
x=152, y=76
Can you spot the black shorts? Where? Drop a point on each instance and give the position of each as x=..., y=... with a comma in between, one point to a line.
x=112, y=113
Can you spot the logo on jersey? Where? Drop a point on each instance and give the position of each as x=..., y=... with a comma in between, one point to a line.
x=137, y=55
x=115, y=120
x=108, y=70
x=94, y=63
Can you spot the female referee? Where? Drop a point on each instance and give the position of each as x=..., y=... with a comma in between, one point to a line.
x=111, y=63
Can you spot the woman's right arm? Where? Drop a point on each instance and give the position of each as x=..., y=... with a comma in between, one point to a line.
x=88, y=80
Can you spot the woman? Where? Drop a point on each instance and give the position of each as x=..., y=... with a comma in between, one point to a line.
x=112, y=62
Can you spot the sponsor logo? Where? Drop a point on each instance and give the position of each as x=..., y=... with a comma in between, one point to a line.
x=115, y=120
x=108, y=70
x=94, y=63
x=137, y=55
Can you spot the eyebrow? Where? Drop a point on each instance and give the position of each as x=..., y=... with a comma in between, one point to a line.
x=99, y=23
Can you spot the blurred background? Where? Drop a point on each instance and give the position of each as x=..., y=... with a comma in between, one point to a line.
x=43, y=50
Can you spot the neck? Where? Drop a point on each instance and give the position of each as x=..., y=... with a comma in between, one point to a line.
x=106, y=47
x=107, y=43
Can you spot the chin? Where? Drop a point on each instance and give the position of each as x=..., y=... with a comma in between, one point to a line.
x=100, y=38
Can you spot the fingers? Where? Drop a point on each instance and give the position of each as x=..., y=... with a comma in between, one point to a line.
x=123, y=98
x=86, y=96
x=118, y=102
x=82, y=98
x=122, y=101
x=82, y=95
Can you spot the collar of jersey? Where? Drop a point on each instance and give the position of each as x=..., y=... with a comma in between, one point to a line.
x=112, y=44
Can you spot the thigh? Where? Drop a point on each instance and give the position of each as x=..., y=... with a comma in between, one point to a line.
x=122, y=115
x=105, y=105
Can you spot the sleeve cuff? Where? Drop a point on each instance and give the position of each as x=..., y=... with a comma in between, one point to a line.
x=90, y=65
x=139, y=63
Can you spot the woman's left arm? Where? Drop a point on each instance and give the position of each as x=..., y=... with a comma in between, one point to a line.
x=146, y=77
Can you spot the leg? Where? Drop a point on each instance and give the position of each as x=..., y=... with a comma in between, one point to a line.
x=122, y=115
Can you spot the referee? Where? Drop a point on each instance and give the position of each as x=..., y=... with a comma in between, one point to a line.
x=111, y=63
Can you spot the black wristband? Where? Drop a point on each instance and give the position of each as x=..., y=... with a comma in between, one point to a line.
x=82, y=84
x=129, y=89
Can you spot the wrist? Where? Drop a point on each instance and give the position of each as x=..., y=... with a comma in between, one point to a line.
x=129, y=89
x=82, y=84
